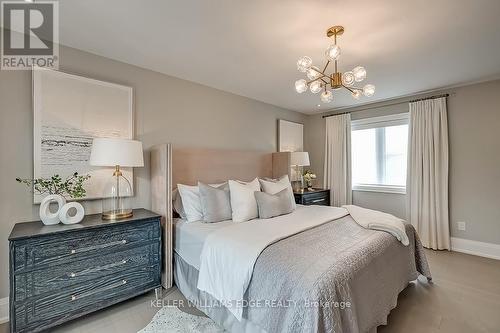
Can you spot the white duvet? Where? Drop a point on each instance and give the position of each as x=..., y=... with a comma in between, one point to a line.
x=226, y=276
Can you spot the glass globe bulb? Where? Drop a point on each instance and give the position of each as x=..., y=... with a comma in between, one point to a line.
x=304, y=63
x=348, y=78
x=356, y=94
x=301, y=86
x=313, y=73
x=315, y=87
x=359, y=73
x=326, y=96
x=332, y=53
x=368, y=90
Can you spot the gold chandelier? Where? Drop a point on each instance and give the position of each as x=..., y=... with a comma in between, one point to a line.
x=320, y=81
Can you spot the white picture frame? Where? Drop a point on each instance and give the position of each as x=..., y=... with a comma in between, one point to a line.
x=68, y=112
x=290, y=136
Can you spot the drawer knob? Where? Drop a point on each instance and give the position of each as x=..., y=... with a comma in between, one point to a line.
x=72, y=274
x=124, y=241
x=73, y=297
x=73, y=251
x=124, y=281
x=124, y=261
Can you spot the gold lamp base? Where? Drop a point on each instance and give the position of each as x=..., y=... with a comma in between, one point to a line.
x=117, y=214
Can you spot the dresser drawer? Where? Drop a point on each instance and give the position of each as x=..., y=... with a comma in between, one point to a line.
x=66, y=303
x=316, y=199
x=38, y=282
x=76, y=245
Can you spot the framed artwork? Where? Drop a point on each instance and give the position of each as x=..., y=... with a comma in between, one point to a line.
x=69, y=111
x=290, y=136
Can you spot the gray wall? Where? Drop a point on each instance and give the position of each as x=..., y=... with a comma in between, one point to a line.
x=474, y=143
x=167, y=109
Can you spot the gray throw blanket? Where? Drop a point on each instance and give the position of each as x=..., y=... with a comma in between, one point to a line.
x=337, y=277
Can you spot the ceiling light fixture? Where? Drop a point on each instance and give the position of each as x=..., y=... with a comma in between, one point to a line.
x=319, y=80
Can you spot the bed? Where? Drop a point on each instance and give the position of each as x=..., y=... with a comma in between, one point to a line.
x=331, y=276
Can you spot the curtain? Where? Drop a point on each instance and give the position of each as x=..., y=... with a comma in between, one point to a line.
x=337, y=169
x=427, y=172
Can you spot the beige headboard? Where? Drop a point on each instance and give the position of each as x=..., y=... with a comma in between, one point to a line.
x=217, y=165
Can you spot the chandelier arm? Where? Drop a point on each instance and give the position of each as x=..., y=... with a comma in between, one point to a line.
x=326, y=82
x=351, y=90
x=316, y=79
x=319, y=72
x=326, y=65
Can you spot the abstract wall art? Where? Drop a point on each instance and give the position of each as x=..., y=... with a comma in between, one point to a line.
x=69, y=111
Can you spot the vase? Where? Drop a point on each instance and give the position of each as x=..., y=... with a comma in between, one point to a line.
x=48, y=217
x=67, y=218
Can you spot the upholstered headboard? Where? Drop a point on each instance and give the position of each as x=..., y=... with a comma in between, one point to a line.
x=217, y=165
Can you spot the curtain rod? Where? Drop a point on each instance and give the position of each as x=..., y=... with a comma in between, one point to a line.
x=391, y=104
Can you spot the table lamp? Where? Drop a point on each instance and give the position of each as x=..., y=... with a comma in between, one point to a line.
x=299, y=159
x=110, y=152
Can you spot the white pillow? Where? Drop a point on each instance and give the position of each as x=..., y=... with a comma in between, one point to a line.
x=275, y=186
x=243, y=203
x=190, y=207
x=191, y=202
x=177, y=204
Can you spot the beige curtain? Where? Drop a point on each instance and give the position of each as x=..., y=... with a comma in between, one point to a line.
x=337, y=169
x=427, y=174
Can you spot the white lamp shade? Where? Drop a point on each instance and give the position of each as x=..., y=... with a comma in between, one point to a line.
x=300, y=158
x=113, y=152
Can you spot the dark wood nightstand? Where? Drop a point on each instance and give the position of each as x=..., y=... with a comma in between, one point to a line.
x=316, y=196
x=62, y=272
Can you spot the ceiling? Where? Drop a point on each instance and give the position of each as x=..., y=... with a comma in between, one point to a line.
x=250, y=48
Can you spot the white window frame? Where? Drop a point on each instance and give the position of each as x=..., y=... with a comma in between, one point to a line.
x=377, y=122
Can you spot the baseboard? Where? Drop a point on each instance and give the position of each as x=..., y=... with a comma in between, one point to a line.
x=482, y=249
x=4, y=310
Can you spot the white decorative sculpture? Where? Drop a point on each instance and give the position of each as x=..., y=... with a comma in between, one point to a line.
x=65, y=216
x=47, y=217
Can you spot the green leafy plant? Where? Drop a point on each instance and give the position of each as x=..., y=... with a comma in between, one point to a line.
x=72, y=186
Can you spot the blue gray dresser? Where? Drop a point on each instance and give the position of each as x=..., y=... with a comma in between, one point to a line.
x=61, y=272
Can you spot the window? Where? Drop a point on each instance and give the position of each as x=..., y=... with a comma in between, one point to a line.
x=379, y=149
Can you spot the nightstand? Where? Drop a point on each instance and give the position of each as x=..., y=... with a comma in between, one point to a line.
x=62, y=272
x=315, y=196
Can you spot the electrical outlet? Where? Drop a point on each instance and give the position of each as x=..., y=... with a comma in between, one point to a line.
x=461, y=226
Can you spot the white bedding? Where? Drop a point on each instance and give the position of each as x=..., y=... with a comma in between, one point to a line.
x=229, y=254
x=190, y=236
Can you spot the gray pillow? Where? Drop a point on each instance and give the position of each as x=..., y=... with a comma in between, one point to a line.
x=270, y=205
x=215, y=202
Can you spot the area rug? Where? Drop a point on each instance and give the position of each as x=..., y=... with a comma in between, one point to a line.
x=172, y=320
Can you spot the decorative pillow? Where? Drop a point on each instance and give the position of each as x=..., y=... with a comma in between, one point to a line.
x=271, y=205
x=190, y=202
x=190, y=196
x=215, y=202
x=272, y=186
x=177, y=204
x=243, y=204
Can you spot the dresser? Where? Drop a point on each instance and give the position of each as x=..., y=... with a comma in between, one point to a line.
x=315, y=196
x=61, y=272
